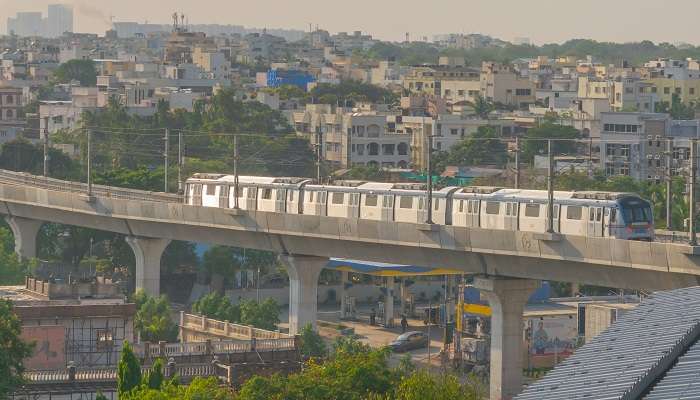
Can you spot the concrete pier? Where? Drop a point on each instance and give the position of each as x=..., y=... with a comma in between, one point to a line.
x=507, y=298
x=303, y=289
x=25, y=232
x=148, y=252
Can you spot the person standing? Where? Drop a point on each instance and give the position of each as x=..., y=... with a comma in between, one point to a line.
x=404, y=324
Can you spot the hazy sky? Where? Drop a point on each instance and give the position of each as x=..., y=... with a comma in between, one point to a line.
x=540, y=20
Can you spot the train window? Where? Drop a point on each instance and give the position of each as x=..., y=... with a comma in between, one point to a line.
x=388, y=201
x=493, y=207
x=437, y=204
x=591, y=214
x=211, y=190
x=461, y=206
x=338, y=198
x=279, y=194
x=311, y=197
x=267, y=194
x=469, y=206
x=532, y=210
x=573, y=212
x=613, y=215
x=598, y=215
x=476, y=206
x=291, y=195
x=406, y=202
x=371, y=200
x=508, y=205
x=322, y=196
x=420, y=203
x=252, y=192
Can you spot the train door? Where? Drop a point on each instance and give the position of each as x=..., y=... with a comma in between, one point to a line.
x=353, y=205
x=196, y=193
x=223, y=196
x=422, y=212
x=251, y=198
x=280, y=195
x=595, y=221
x=511, y=217
x=387, y=208
x=474, y=213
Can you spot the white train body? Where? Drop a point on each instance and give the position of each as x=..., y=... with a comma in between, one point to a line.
x=592, y=214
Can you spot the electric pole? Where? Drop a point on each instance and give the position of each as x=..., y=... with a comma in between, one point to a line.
x=517, y=162
x=669, y=183
x=165, y=157
x=89, y=163
x=550, y=189
x=235, y=172
x=429, y=203
x=180, y=188
x=691, y=205
x=46, y=146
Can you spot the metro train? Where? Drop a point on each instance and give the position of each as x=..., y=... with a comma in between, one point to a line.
x=587, y=213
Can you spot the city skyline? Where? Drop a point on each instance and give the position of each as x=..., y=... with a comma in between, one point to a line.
x=554, y=22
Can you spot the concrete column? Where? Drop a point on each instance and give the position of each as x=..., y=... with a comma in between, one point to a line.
x=507, y=298
x=148, y=252
x=343, y=281
x=402, y=294
x=389, y=303
x=303, y=289
x=25, y=231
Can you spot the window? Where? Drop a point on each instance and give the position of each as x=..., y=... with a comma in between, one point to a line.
x=591, y=214
x=373, y=149
x=406, y=202
x=360, y=149
x=291, y=195
x=211, y=190
x=573, y=212
x=360, y=131
x=613, y=215
x=252, y=192
x=388, y=149
x=454, y=132
x=267, y=194
x=105, y=339
x=437, y=204
x=493, y=207
x=532, y=210
x=310, y=197
x=667, y=90
x=691, y=91
x=402, y=148
x=371, y=200
x=10, y=114
x=678, y=90
x=598, y=214
x=469, y=206
x=523, y=92
x=338, y=198
x=461, y=206
x=10, y=99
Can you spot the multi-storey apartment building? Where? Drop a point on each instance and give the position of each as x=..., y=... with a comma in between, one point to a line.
x=501, y=84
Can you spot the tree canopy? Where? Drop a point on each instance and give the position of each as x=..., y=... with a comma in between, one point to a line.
x=153, y=318
x=83, y=71
x=13, y=350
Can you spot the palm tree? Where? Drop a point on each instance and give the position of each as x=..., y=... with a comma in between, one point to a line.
x=482, y=107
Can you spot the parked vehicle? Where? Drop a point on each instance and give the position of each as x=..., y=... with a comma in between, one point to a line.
x=409, y=341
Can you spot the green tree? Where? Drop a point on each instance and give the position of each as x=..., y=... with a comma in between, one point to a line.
x=349, y=92
x=13, y=350
x=199, y=389
x=263, y=315
x=83, y=71
x=536, y=140
x=483, y=147
x=100, y=396
x=153, y=318
x=422, y=386
x=217, y=306
x=128, y=371
x=312, y=344
x=677, y=108
x=154, y=378
x=220, y=262
x=482, y=107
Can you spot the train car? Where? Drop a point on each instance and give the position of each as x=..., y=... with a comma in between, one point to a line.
x=592, y=214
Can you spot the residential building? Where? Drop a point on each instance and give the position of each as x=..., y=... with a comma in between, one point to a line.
x=59, y=20
x=25, y=24
x=429, y=79
x=634, y=144
x=500, y=84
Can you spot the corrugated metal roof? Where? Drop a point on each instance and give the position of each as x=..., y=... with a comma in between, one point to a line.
x=682, y=381
x=624, y=361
